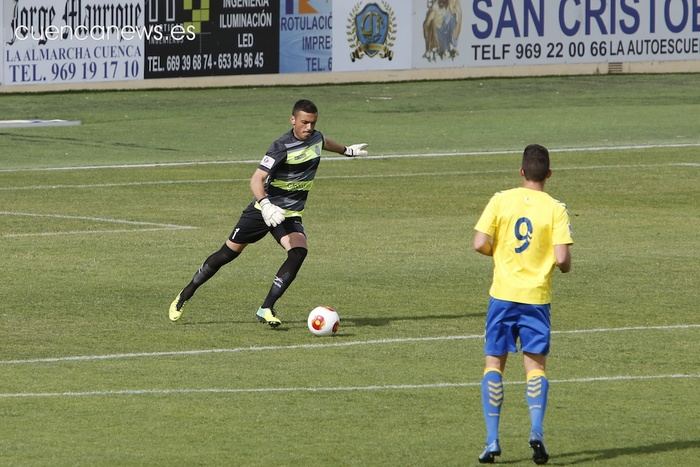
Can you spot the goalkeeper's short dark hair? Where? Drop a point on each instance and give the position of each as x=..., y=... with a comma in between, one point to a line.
x=535, y=163
x=304, y=105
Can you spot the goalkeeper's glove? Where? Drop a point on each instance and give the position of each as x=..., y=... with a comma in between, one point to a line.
x=272, y=215
x=355, y=150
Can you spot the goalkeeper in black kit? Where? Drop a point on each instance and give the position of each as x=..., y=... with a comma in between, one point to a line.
x=280, y=185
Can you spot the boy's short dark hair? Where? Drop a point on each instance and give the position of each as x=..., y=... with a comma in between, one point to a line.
x=535, y=163
x=304, y=105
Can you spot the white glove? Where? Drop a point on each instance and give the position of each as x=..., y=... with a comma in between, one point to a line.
x=273, y=215
x=355, y=150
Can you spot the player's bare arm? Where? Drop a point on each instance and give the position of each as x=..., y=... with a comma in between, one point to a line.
x=483, y=243
x=257, y=184
x=562, y=255
x=272, y=214
x=350, y=151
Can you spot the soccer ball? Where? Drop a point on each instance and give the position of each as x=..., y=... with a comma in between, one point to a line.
x=323, y=321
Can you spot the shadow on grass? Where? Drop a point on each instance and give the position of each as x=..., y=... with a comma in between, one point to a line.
x=591, y=455
x=386, y=320
x=381, y=320
x=606, y=454
x=80, y=142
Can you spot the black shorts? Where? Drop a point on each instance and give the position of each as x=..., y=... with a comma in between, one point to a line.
x=251, y=227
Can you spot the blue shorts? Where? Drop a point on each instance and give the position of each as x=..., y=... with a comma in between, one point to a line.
x=508, y=321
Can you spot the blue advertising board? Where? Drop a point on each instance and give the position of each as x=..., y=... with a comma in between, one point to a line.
x=306, y=36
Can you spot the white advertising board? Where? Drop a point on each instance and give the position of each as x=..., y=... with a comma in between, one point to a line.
x=306, y=36
x=458, y=33
x=69, y=41
x=372, y=35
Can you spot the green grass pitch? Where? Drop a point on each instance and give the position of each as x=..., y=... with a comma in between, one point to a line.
x=93, y=373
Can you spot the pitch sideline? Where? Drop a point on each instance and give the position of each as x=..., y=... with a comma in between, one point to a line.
x=386, y=387
x=403, y=340
x=378, y=156
x=333, y=177
x=145, y=226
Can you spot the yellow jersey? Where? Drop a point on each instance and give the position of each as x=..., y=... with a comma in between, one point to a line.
x=525, y=225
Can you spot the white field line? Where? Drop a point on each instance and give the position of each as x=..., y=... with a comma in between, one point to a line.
x=311, y=389
x=125, y=184
x=276, y=348
x=91, y=232
x=378, y=156
x=334, y=177
x=147, y=226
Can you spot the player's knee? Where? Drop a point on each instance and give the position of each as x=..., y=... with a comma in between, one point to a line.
x=297, y=255
x=289, y=269
x=219, y=258
x=227, y=254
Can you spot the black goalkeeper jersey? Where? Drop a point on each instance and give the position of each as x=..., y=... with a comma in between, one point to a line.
x=291, y=165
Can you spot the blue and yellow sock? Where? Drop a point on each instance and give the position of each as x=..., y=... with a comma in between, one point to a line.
x=536, y=396
x=491, y=401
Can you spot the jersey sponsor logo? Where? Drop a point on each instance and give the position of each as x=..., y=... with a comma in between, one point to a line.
x=267, y=162
x=293, y=185
x=304, y=155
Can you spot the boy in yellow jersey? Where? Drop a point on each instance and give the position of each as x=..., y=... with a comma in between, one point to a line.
x=527, y=232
